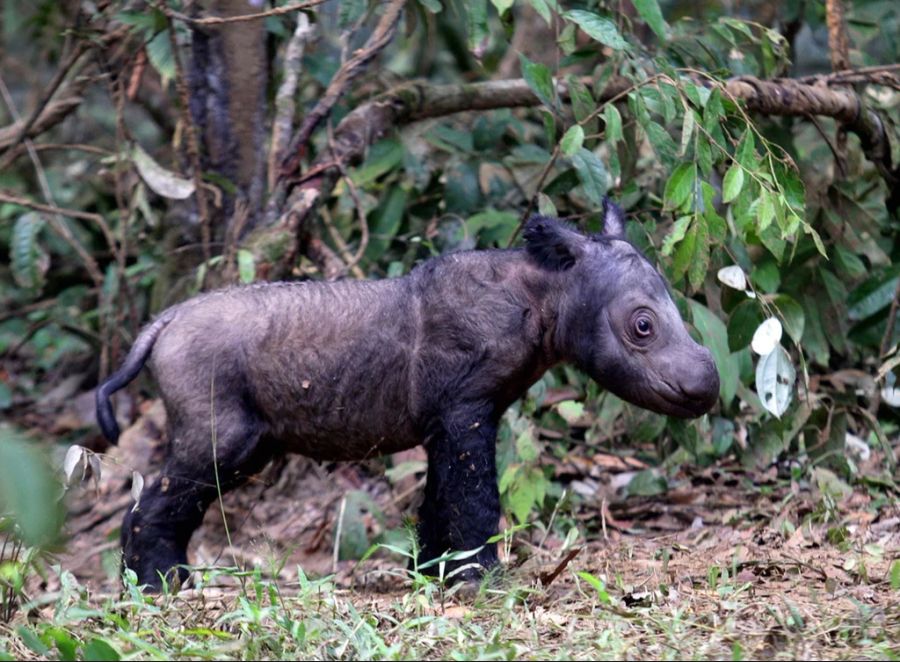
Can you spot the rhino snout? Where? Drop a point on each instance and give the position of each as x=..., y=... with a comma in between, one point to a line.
x=699, y=383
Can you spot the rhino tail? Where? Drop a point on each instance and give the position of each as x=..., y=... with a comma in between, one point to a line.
x=135, y=360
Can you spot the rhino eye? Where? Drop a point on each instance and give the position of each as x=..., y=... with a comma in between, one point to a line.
x=643, y=326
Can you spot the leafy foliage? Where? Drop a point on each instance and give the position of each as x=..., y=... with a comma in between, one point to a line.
x=707, y=185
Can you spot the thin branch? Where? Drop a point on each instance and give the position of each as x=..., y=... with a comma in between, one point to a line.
x=22, y=131
x=219, y=20
x=193, y=146
x=56, y=221
x=863, y=74
x=285, y=105
x=360, y=211
x=380, y=38
x=886, y=343
x=53, y=114
x=61, y=211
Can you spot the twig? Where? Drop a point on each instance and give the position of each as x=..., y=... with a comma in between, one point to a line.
x=193, y=145
x=53, y=114
x=838, y=158
x=61, y=211
x=64, y=147
x=337, y=536
x=548, y=577
x=56, y=221
x=886, y=343
x=284, y=99
x=22, y=132
x=348, y=71
x=342, y=247
x=360, y=212
x=219, y=20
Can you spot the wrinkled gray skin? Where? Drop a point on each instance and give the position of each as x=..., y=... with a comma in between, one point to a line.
x=353, y=370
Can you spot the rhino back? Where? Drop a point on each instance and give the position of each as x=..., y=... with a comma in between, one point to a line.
x=324, y=366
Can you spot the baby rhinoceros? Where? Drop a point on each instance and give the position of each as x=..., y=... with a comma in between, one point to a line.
x=355, y=369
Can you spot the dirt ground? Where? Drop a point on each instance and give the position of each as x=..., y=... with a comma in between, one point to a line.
x=716, y=527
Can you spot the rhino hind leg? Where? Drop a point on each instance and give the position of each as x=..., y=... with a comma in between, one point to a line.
x=155, y=534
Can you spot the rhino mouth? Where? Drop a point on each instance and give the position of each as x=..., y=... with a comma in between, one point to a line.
x=672, y=400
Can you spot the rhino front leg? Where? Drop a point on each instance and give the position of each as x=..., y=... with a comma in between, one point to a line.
x=461, y=510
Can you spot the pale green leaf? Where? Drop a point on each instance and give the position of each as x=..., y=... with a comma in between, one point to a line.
x=650, y=12
x=597, y=27
x=540, y=80
x=732, y=183
x=592, y=175
x=775, y=377
x=572, y=140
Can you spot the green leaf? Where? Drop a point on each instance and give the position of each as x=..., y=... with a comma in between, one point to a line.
x=246, y=266
x=385, y=221
x=684, y=253
x=592, y=175
x=765, y=210
x=571, y=411
x=384, y=156
x=681, y=185
x=679, y=229
x=775, y=377
x=583, y=104
x=540, y=80
x=647, y=483
x=27, y=259
x=613, y=120
x=662, y=142
x=477, y=24
x=650, y=12
x=597, y=27
x=99, y=649
x=742, y=323
x=792, y=316
x=687, y=132
x=895, y=575
x=522, y=496
x=715, y=338
x=502, y=5
x=700, y=261
x=350, y=12
x=732, y=183
x=602, y=593
x=873, y=295
x=159, y=53
x=543, y=10
x=28, y=490
x=526, y=448
x=573, y=140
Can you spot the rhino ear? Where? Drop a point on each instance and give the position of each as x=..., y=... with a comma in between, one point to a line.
x=552, y=244
x=613, y=219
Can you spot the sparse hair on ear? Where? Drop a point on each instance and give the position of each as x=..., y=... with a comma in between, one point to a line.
x=613, y=219
x=552, y=243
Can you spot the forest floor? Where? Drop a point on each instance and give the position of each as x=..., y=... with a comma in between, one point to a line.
x=728, y=564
